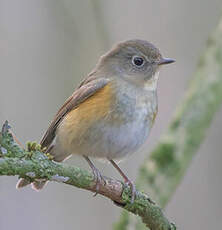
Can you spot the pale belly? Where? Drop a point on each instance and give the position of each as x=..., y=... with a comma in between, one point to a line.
x=108, y=139
x=114, y=142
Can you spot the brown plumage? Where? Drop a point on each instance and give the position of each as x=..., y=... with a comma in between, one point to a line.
x=85, y=91
x=112, y=111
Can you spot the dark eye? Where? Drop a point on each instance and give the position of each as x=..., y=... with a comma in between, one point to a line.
x=138, y=61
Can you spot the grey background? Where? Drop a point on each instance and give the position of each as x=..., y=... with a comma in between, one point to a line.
x=46, y=47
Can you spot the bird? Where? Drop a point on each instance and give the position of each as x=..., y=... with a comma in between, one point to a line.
x=110, y=114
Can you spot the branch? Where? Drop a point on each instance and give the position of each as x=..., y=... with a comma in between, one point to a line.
x=32, y=164
x=161, y=173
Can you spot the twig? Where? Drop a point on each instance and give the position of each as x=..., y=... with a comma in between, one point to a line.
x=32, y=164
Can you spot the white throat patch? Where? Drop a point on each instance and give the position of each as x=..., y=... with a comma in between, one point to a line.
x=152, y=83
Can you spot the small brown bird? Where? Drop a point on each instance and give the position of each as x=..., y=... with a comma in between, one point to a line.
x=112, y=111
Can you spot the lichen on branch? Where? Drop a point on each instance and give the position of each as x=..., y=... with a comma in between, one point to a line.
x=32, y=164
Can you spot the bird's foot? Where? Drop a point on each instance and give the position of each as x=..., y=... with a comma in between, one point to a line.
x=133, y=189
x=97, y=175
x=98, y=178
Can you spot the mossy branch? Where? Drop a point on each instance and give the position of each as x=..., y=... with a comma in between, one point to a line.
x=160, y=174
x=33, y=164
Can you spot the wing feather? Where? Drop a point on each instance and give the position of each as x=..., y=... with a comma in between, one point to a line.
x=86, y=89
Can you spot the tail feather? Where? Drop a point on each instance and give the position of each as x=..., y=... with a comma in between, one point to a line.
x=22, y=183
x=38, y=185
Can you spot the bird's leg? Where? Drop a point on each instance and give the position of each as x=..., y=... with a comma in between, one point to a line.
x=97, y=175
x=126, y=179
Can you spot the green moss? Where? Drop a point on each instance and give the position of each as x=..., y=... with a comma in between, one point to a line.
x=163, y=155
x=33, y=146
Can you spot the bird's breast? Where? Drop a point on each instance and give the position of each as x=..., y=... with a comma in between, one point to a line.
x=110, y=124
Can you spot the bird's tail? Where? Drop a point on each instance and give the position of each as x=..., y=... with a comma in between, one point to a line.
x=36, y=185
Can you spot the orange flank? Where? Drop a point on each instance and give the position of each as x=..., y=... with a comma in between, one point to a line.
x=77, y=121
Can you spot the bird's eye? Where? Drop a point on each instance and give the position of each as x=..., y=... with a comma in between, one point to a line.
x=138, y=61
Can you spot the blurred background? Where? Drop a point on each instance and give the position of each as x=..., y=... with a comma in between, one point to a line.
x=47, y=46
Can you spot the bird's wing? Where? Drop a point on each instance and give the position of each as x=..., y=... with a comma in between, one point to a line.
x=86, y=89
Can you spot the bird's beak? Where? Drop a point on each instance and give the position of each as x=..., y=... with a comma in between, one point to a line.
x=165, y=61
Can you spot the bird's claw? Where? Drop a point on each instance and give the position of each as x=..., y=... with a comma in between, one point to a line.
x=98, y=178
x=133, y=190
